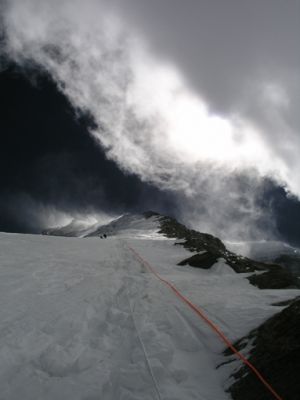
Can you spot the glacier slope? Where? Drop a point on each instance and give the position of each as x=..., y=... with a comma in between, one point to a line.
x=83, y=319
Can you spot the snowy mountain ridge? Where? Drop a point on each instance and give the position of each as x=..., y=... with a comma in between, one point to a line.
x=135, y=224
x=84, y=319
x=127, y=224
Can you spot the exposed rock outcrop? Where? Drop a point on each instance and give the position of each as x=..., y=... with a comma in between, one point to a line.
x=209, y=249
x=276, y=354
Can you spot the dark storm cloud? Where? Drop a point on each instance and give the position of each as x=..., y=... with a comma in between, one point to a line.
x=50, y=168
x=49, y=164
x=196, y=99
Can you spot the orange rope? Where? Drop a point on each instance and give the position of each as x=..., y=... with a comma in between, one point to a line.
x=214, y=327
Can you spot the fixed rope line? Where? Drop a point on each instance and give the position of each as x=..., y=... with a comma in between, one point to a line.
x=213, y=326
x=144, y=350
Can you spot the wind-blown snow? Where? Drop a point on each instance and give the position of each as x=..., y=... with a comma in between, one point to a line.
x=83, y=319
x=130, y=225
x=263, y=249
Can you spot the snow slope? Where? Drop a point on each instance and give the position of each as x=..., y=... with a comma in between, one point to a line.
x=130, y=225
x=83, y=319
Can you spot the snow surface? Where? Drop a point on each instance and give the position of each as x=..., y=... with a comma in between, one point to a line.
x=83, y=319
x=130, y=225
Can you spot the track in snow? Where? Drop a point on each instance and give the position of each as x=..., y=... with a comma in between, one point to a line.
x=82, y=319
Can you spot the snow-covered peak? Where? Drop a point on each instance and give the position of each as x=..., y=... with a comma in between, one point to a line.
x=129, y=225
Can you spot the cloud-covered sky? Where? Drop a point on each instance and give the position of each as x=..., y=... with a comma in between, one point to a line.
x=196, y=98
x=51, y=169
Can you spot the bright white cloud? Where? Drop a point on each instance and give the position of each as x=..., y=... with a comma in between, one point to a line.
x=147, y=118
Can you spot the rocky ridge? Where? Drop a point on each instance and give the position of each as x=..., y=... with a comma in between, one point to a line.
x=275, y=353
x=209, y=249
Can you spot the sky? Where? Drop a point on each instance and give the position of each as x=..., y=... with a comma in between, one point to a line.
x=189, y=108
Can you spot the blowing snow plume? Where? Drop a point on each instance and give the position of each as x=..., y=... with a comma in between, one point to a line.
x=147, y=117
